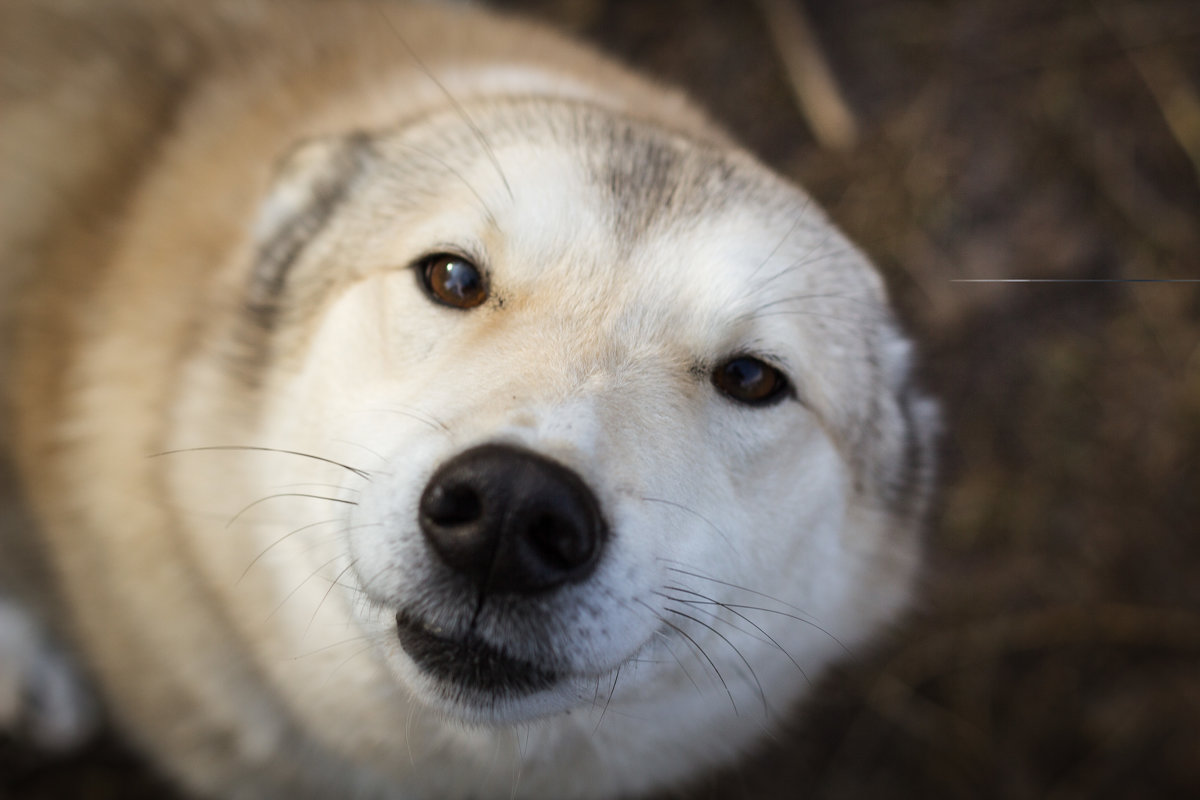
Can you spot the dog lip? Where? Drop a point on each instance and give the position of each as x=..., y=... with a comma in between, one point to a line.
x=468, y=662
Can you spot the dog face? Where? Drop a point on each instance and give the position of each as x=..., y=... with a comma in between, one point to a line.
x=619, y=422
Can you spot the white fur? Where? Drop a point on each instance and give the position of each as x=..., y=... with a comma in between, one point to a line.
x=590, y=369
x=237, y=600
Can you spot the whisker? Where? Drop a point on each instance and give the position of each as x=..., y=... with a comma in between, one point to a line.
x=325, y=596
x=698, y=649
x=426, y=154
x=798, y=312
x=475, y=129
x=799, y=616
x=808, y=622
x=412, y=413
x=807, y=257
x=762, y=694
x=757, y=627
x=315, y=485
x=870, y=312
x=698, y=606
x=300, y=585
x=261, y=500
x=408, y=737
x=871, y=306
x=792, y=229
x=280, y=539
x=608, y=702
x=522, y=749
x=693, y=512
x=323, y=648
x=362, y=473
x=666, y=641
x=740, y=588
x=362, y=447
x=347, y=660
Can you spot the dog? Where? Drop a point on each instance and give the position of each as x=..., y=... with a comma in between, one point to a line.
x=401, y=401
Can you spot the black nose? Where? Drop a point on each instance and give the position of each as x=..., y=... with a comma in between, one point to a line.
x=511, y=520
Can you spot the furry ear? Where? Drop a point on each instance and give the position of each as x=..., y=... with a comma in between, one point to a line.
x=310, y=182
x=911, y=462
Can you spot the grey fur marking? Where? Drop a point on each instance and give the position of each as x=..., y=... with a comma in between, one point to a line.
x=322, y=187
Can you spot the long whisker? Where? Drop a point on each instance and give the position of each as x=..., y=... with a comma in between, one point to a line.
x=261, y=500
x=280, y=539
x=733, y=610
x=762, y=694
x=799, y=616
x=740, y=588
x=316, y=485
x=364, y=448
x=694, y=513
x=475, y=129
x=791, y=229
x=870, y=306
x=808, y=622
x=426, y=154
x=348, y=659
x=412, y=413
x=325, y=596
x=608, y=702
x=667, y=644
x=699, y=649
x=331, y=646
x=362, y=473
x=701, y=606
x=808, y=256
x=300, y=585
x=408, y=737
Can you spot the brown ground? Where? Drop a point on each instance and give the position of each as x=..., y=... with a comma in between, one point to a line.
x=1058, y=650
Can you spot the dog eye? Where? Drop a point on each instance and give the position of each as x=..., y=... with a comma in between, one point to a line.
x=452, y=281
x=750, y=381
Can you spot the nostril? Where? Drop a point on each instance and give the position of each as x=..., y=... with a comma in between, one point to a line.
x=450, y=505
x=560, y=542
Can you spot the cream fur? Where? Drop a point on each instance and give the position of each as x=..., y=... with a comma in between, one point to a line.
x=245, y=634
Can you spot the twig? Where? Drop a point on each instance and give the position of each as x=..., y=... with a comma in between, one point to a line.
x=820, y=99
x=1168, y=85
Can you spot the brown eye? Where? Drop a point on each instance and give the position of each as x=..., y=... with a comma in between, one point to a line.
x=750, y=381
x=453, y=281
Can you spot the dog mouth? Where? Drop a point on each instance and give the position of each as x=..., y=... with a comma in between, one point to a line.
x=468, y=663
x=511, y=531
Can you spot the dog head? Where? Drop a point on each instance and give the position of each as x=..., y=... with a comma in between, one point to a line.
x=622, y=425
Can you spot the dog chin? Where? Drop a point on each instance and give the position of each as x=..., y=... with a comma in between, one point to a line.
x=478, y=683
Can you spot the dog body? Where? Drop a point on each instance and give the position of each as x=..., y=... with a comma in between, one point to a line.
x=284, y=283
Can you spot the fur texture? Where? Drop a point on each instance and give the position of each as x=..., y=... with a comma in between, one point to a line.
x=226, y=392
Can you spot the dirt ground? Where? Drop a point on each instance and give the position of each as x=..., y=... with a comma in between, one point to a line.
x=1056, y=650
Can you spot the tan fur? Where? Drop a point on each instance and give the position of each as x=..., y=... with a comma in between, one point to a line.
x=136, y=142
x=98, y=97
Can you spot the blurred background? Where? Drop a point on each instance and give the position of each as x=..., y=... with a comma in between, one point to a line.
x=1055, y=652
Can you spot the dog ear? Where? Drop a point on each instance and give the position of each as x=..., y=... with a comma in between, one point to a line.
x=310, y=182
x=906, y=463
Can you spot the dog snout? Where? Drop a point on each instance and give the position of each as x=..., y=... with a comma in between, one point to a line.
x=512, y=521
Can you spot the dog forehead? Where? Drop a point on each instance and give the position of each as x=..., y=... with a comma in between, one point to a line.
x=634, y=208
x=585, y=211
x=549, y=213
x=534, y=162
x=692, y=257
